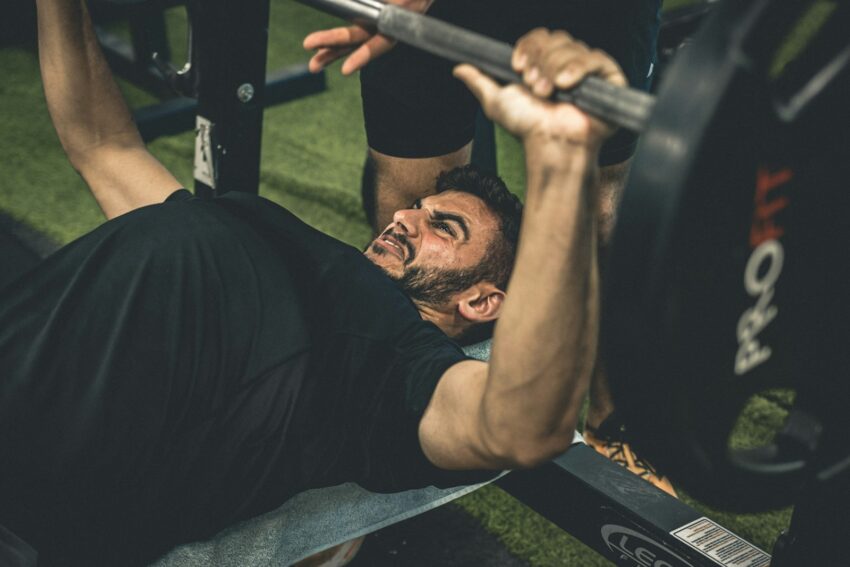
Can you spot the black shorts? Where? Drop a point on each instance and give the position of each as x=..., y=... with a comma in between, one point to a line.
x=414, y=107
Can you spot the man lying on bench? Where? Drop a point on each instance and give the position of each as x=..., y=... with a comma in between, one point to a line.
x=193, y=363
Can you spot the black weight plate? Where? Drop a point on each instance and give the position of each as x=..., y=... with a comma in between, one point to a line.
x=719, y=283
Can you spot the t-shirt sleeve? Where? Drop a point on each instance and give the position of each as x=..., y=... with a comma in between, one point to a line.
x=179, y=195
x=422, y=355
x=376, y=365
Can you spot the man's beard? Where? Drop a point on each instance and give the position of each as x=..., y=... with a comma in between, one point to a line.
x=434, y=286
x=431, y=286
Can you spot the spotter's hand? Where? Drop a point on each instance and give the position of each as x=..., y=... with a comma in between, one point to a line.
x=362, y=44
x=546, y=60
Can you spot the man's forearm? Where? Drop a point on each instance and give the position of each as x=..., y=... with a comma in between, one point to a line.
x=545, y=339
x=85, y=104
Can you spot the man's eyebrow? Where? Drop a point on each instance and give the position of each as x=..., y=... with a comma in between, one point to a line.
x=443, y=216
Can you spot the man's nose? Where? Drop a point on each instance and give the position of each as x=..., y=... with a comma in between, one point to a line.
x=408, y=220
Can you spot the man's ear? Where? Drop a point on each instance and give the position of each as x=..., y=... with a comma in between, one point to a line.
x=481, y=303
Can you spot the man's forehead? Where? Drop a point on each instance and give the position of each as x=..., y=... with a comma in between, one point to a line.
x=459, y=201
x=467, y=205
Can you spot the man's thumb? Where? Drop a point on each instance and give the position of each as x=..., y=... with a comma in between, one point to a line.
x=482, y=86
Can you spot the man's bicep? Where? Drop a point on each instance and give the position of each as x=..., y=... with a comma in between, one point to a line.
x=450, y=431
x=123, y=178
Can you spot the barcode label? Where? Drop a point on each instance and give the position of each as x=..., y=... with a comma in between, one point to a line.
x=719, y=544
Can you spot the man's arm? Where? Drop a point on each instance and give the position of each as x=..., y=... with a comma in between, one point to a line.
x=90, y=116
x=522, y=408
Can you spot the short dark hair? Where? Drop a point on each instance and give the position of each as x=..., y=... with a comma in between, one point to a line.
x=498, y=263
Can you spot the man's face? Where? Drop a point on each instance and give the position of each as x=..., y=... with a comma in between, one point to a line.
x=433, y=248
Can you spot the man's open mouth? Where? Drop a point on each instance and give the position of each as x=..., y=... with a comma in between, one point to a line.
x=390, y=242
x=398, y=245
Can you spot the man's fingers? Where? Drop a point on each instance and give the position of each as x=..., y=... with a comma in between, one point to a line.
x=325, y=56
x=553, y=59
x=336, y=37
x=527, y=48
x=607, y=68
x=361, y=56
x=538, y=54
x=534, y=45
x=482, y=86
x=337, y=42
x=595, y=62
x=560, y=58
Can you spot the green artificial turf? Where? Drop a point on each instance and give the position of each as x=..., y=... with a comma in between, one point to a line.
x=312, y=154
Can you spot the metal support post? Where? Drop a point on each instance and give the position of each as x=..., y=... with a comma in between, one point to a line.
x=230, y=39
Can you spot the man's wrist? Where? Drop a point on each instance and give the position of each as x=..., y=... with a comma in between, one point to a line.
x=560, y=151
x=559, y=181
x=560, y=157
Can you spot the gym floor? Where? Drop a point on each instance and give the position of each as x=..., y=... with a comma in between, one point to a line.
x=312, y=155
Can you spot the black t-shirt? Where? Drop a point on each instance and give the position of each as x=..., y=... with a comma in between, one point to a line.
x=193, y=363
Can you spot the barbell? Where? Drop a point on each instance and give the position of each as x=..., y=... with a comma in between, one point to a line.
x=723, y=271
x=623, y=107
